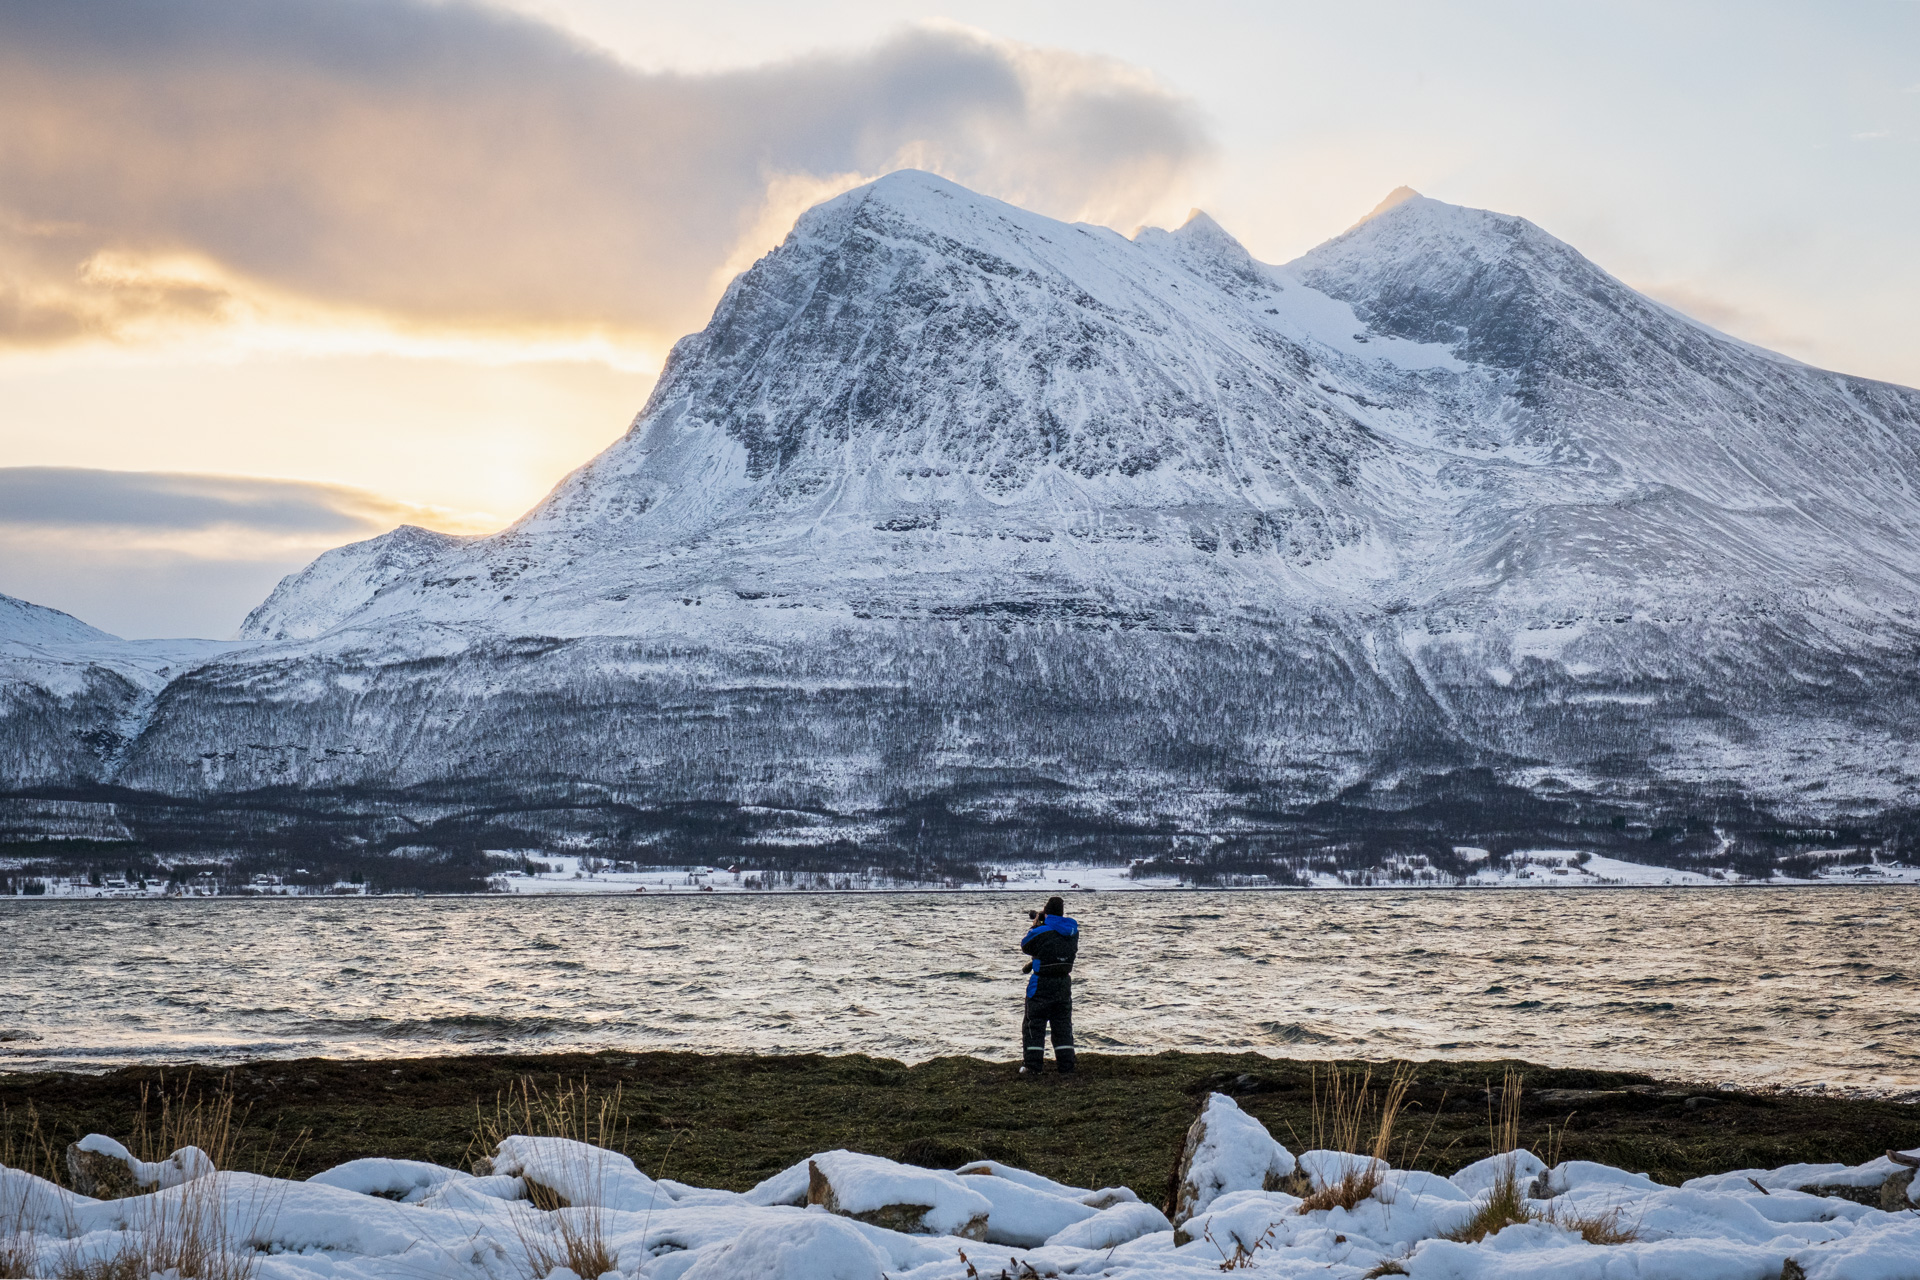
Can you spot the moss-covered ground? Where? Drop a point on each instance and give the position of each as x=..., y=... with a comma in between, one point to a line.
x=729, y=1120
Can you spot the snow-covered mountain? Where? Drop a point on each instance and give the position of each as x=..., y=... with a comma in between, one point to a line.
x=959, y=515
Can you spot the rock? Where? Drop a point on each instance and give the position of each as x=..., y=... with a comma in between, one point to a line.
x=1226, y=1150
x=1791, y=1270
x=895, y=1196
x=1894, y=1195
x=105, y=1170
x=1025, y=1216
x=102, y=1176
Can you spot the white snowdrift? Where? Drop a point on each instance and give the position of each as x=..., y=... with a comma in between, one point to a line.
x=400, y=1220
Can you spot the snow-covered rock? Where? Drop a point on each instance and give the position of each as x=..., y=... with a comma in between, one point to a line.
x=915, y=1201
x=398, y=1220
x=1025, y=1215
x=403, y=1181
x=1521, y=1167
x=1116, y=1225
x=106, y=1170
x=1226, y=1150
x=579, y=1174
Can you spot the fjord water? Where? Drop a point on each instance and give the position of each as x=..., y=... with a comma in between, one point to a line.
x=1792, y=987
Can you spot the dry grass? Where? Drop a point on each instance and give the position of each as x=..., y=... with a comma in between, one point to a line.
x=1507, y=1204
x=572, y=1109
x=203, y=1122
x=1344, y=1112
x=1503, y=1131
x=1604, y=1226
x=187, y=1231
x=564, y=1236
x=24, y=1144
x=572, y=1238
x=1242, y=1258
x=19, y=1248
x=1504, y=1206
x=192, y=1230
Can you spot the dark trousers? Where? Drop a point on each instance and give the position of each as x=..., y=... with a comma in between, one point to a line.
x=1044, y=1011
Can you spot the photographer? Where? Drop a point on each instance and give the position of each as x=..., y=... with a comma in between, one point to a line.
x=1052, y=941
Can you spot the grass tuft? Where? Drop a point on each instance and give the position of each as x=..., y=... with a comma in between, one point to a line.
x=25, y=1145
x=1344, y=1111
x=1507, y=1203
x=572, y=1109
x=571, y=1236
x=1604, y=1226
x=1504, y=1206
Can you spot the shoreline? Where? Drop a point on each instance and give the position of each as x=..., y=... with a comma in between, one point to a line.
x=622, y=895
x=729, y=1120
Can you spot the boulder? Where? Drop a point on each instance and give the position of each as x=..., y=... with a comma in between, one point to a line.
x=1024, y=1216
x=896, y=1196
x=105, y=1170
x=102, y=1176
x=1226, y=1150
x=562, y=1173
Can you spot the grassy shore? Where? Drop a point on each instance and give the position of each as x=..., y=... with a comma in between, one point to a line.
x=729, y=1120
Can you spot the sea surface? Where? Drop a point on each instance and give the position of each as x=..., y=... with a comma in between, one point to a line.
x=1804, y=987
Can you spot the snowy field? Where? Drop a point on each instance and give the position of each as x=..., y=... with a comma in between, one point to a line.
x=584, y=874
x=542, y=1208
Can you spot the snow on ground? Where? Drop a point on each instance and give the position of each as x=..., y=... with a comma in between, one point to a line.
x=1525, y=869
x=565, y=873
x=845, y=1216
x=568, y=873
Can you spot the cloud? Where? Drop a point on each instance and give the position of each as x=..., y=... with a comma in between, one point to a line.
x=1740, y=320
x=145, y=553
x=445, y=166
x=166, y=504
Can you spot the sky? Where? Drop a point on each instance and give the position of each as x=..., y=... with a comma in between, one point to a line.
x=278, y=277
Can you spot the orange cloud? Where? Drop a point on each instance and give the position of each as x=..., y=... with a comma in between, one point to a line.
x=443, y=167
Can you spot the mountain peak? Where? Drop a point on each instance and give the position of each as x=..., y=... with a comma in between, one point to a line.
x=1395, y=198
x=36, y=624
x=1200, y=229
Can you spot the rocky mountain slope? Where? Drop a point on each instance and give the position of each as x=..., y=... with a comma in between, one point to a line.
x=963, y=530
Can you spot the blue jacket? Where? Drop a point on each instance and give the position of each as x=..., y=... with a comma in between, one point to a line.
x=1052, y=943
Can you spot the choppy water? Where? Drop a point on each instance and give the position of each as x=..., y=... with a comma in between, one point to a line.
x=1794, y=987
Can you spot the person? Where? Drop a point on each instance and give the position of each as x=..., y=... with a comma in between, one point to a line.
x=1052, y=941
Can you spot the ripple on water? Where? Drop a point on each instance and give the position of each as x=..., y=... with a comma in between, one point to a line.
x=1628, y=979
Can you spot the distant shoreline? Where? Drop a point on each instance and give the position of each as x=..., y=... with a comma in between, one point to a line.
x=619, y=895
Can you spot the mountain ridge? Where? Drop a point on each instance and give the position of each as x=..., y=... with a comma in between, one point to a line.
x=953, y=505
